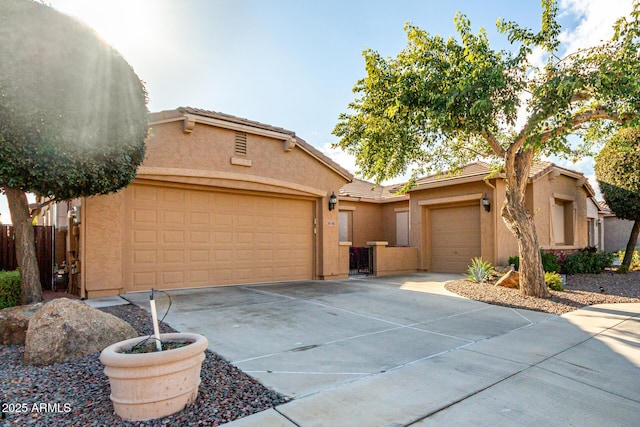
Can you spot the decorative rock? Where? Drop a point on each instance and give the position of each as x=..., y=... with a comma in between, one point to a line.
x=510, y=280
x=14, y=322
x=64, y=329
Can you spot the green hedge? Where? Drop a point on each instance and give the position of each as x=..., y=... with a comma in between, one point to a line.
x=587, y=260
x=549, y=262
x=9, y=289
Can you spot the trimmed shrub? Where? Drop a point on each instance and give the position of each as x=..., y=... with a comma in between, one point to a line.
x=479, y=271
x=549, y=261
x=553, y=281
x=9, y=289
x=588, y=260
x=515, y=261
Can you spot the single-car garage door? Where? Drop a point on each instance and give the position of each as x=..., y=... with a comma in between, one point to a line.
x=176, y=238
x=455, y=238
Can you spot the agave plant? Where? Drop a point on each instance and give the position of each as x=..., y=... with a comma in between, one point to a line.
x=479, y=271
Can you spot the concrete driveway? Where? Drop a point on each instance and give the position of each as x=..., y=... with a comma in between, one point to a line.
x=401, y=351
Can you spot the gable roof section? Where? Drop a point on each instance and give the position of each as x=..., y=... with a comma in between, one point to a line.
x=361, y=190
x=191, y=116
x=477, y=171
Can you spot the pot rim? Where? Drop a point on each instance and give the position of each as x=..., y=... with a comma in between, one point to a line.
x=113, y=356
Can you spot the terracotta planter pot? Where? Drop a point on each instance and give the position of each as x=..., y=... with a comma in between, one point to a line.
x=154, y=385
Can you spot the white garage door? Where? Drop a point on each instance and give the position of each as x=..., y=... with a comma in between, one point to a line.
x=455, y=238
x=177, y=238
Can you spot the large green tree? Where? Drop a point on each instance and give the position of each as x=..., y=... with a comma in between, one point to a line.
x=442, y=103
x=73, y=118
x=618, y=172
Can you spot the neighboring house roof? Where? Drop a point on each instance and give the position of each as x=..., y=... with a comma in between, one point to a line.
x=478, y=171
x=191, y=116
x=368, y=191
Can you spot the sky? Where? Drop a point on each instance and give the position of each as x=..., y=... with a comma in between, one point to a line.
x=293, y=63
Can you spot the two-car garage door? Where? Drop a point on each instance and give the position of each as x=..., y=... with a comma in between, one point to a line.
x=455, y=237
x=178, y=237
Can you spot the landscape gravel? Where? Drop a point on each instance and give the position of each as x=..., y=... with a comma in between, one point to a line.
x=580, y=290
x=77, y=393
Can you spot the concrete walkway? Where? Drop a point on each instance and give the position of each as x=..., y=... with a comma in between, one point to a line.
x=402, y=351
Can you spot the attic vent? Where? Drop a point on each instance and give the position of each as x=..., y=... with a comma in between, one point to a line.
x=241, y=144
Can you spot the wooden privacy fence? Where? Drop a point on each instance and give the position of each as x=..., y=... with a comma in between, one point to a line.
x=44, y=252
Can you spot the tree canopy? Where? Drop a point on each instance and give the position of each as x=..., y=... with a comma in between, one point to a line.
x=440, y=104
x=73, y=118
x=618, y=172
x=72, y=112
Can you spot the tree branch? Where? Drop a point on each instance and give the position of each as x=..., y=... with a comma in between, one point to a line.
x=581, y=118
x=493, y=143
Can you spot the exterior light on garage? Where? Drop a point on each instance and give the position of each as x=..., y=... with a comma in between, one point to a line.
x=486, y=203
x=333, y=201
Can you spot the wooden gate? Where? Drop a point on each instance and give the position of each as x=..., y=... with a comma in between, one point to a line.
x=44, y=252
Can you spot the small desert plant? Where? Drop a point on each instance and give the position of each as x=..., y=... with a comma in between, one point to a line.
x=553, y=281
x=479, y=271
x=9, y=289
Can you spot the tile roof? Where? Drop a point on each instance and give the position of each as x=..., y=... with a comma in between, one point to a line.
x=367, y=190
x=234, y=119
x=473, y=170
x=477, y=171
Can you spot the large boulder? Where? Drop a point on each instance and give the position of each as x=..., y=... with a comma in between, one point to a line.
x=14, y=322
x=510, y=280
x=64, y=329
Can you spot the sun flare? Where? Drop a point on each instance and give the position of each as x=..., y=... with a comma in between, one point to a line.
x=125, y=24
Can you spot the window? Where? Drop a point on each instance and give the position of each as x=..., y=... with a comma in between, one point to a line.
x=562, y=219
x=344, y=226
x=402, y=228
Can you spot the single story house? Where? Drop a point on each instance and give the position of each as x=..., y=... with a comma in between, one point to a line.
x=222, y=200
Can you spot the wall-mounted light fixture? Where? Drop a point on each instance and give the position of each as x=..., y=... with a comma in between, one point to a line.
x=74, y=215
x=333, y=201
x=486, y=203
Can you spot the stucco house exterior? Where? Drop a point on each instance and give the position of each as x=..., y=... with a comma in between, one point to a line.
x=218, y=200
x=222, y=200
x=618, y=230
x=453, y=219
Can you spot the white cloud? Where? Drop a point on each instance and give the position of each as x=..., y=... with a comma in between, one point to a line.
x=595, y=21
x=344, y=159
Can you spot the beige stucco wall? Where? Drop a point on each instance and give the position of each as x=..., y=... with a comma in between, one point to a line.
x=497, y=241
x=393, y=260
x=616, y=233
x=506, y=244
x=367, y=223
x=203, y=159
x=563, y=187
x=389, y=220
x=539, y=199
x=102, y=230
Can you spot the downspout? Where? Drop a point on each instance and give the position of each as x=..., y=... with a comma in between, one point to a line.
x=82, y=252
x=495, y=220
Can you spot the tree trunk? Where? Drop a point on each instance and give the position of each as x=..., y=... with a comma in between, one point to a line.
x=631, y=245
x=25, y=246
x=520, y=222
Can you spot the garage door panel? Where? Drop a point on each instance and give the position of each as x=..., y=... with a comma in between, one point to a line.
x=454, y=237
x=185, y=238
